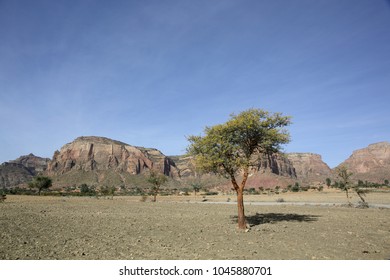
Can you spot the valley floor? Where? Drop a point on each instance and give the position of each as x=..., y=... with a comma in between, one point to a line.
x=186, y=228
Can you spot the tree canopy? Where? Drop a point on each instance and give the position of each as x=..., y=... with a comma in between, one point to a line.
x=40, y=183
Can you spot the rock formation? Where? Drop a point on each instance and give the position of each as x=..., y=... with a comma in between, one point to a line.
x=14, y=174
x=103, y=158
x=309, y=167
x=33, y=163
x=102, y=161
x=21, y=170
x=371, y=163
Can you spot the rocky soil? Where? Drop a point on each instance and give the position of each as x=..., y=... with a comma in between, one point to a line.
x=187, y=228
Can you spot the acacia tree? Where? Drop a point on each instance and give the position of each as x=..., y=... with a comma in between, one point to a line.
x=232, y=148
x=40, y=183
x=344, y=184
x=156, y=179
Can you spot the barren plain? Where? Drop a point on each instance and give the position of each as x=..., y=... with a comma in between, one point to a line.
x=309, y=225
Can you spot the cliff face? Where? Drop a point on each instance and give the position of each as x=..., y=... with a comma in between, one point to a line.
x=13, y=175
x=21, y=170
x=276, y=164
x=33, y=163
x=371, y=163
x=95, y=154
x=309, y=167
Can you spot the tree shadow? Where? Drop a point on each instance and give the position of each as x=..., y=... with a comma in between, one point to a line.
x=272, y=218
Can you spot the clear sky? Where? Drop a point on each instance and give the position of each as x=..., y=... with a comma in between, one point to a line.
x=150, y=73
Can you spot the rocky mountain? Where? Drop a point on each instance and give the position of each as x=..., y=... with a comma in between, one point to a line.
x=13, y=175
x=105, y=161
x=277, y=164
x=21, y=170
x=309, y=167
x=371, y=163
x=33, y=163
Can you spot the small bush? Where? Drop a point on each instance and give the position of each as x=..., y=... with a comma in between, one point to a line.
x=295, y=188
x=211, y=193
x=280, y=200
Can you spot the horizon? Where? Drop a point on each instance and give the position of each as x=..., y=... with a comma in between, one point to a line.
x=151, y=73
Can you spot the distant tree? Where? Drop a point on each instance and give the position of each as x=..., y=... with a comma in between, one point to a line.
x=40, y=183
x=232, y=148
x=344, y=175
x=328, y=182
x=196, y=187
x=296, y=187
x=156, y=179
x=86, y=190
x=386, y=182
x=106, y=191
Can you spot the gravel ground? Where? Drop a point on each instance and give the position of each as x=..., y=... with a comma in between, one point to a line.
x=172, y=228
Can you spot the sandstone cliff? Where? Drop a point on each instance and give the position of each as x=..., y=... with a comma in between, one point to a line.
x=106, y=161
x=277, y=164
x=371, y=163
x=309, y=167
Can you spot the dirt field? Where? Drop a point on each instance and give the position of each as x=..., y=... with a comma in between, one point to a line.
x=186, y=228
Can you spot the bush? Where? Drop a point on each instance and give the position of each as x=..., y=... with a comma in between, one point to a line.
x=296, y=187
x=86, y=190
x=211, y=193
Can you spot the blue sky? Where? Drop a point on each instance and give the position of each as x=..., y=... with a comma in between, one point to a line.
x=150, y=73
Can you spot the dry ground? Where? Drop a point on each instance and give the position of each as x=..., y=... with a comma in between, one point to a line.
x=185, y=228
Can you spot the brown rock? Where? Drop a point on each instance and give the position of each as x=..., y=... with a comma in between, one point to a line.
x=98, y=154
x=371, y=163
x=309, y=167
x=33, y=163
x=13, y=175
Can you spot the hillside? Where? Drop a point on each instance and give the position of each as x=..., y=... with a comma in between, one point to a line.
x=371, y=163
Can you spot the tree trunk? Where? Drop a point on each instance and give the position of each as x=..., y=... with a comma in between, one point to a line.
x=240, y=207
x=240, y=199
x=155, y=197
x=361, y=197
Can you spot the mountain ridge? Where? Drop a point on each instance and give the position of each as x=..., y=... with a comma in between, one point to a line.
x=101, y=160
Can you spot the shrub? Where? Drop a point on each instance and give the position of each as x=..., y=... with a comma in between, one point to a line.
x=296, y=187
x=211, y=193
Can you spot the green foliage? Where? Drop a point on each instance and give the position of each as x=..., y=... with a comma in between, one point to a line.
x=40, y=183
x=228, y=148
x=344, y=175
x=328, y=182
x=86, y=190
x=296, y=187
x=211, y=193
x=106, y=191
x=156, y=179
